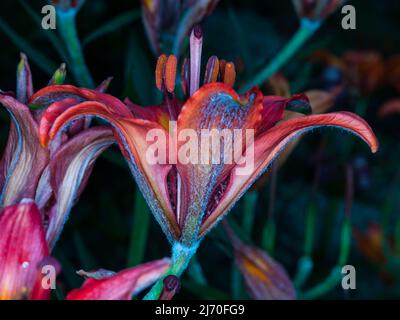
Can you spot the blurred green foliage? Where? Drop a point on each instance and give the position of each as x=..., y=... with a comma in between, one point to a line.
x=99, y=231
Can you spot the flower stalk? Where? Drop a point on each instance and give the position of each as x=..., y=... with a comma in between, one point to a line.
x=181, y=256
x=306, y=30
x=69, y=34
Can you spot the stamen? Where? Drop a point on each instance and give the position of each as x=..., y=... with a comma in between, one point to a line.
x=229, y=74
x=222, y=64
x=170, y=73
x=185, y=77
x=212, y=70
x=161, y=62
x=196, y=44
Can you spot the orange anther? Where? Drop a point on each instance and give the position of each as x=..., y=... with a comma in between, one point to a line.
x=229, y=74
x=222, y=64
x=161, y=62
x=170, y=73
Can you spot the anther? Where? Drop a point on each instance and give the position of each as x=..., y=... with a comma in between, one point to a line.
x=185, y=74
x=161, y=62
x=170, y=73
x=229, y=74
x=212, y=70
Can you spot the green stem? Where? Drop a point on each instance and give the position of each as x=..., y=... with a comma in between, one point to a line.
x=326, y=286
x=306, y=30
x=310, y=229
x=181, y=256
x=304, y=268
x=250, y=201
x=67, y=29
x=140, y=228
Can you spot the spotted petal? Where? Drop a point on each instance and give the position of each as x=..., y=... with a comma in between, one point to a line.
x=121, y=286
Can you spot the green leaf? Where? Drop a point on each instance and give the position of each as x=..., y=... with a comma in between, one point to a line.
x=139, y=231
x=51, y=35
x=204, y=292
x=42, y=61
x=113, y=25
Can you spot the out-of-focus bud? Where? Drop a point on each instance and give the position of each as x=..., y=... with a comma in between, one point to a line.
x=364, y=71
x=316, y=10
x=370, y=243
x=265, y=279
x=390, y=107
x=67, y=5
x=172, y=17
x=392, y=71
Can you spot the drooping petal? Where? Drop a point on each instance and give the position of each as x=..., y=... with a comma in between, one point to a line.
x=265, y=278
x=69, y=169
x=268, y=146
x=22, y=247
x=123, y=285
x=132, y=138
x=51, y=94
x=24, y=80
x=24, y=159
x=214, y=106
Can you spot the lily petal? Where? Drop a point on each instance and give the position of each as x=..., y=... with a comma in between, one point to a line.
x=70, y=168
x=51, y=94
x=123, y=285
x=22, y=248
x=24, y=159
x=269, y=144
x=132, y=133
x=213, y=106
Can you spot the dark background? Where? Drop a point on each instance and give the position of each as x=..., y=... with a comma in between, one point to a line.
x=100, y=226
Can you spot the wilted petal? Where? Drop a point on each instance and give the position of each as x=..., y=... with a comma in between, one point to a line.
x=69, y=169
x=121, y=286
x=24, y=159
x=132, y=133
x=22, y=248
x=269, y=144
